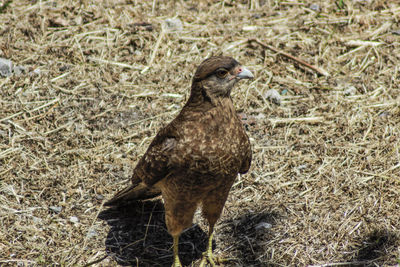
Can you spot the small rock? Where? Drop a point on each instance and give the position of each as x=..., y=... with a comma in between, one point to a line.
x=123, y=77
x=58, y=22
x=36, y=71
x=92, y=233
x=273, y=96
x=78, y=20
x=351, y=90
x=384, y=114
x=263, y=225
x=56, y=209
x=247, y=119
x=99, y=197
x=74, y=219
x=63, y=68
x=315, y=7
x=260, y=116
x=18, y=70
x=36, y=220
x=6, y=67
x=173, y=25
x=302, y=167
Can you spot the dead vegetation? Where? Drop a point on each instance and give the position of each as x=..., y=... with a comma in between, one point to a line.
x=324, y=187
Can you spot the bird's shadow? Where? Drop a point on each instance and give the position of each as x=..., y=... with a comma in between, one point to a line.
x=250, y=234
x=374, y=247
x=138, y=236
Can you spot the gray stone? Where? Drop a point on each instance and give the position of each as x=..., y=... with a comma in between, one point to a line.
x=351, y=90
x=315, y=7
x=18, y=70
x=56, y=209
x=36, y=71
x=92, y=233
x=74, y=219
x=6, y=67
x=173, y=25
x=273, y=96
x=263, y=225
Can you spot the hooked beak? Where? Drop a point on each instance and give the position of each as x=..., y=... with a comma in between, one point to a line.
x=244, y=73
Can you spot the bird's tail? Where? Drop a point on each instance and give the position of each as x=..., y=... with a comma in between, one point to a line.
x=133, y=192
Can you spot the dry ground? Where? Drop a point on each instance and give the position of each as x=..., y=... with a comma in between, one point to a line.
x=324, y=187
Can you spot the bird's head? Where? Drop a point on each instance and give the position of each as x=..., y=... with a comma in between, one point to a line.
x=216, y=76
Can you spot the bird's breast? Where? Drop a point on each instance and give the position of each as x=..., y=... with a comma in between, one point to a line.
x=214, y=144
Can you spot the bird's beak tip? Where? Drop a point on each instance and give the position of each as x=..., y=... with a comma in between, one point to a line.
x=245, y=73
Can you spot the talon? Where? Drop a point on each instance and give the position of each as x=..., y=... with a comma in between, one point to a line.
x=210, y=259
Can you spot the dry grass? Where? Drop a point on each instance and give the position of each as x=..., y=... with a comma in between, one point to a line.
x=326, y=167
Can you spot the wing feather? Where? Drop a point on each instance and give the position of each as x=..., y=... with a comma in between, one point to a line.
x=155, y=163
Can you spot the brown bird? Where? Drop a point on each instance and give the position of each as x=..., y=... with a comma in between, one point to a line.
x=194, y=160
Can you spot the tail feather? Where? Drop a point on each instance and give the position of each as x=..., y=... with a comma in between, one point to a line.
x=133, y=192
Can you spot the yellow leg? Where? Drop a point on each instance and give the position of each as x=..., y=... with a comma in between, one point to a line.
x=208, y=257
x=177, y=262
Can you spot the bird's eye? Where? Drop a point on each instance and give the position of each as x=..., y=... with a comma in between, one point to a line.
x=221, y=73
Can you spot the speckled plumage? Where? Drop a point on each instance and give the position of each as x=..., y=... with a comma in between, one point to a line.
x=195, y=159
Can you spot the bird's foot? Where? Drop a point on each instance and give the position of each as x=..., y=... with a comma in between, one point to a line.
x=177, y=263
x=209, y=258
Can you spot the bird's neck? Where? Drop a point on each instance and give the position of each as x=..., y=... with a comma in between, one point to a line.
x=200, y=98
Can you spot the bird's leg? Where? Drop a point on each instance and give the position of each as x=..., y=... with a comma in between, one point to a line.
x=207, y=255
x=177, y=262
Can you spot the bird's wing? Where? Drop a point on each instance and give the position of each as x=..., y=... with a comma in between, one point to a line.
x=155, y=163
x=151, y=168
x=247, y=161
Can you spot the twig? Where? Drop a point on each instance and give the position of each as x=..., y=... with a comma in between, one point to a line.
x=300, y=61
x=16, y=260
x=32, y=110
x=354, y=263
x=297, y=120
x=155, y=50
x=119, y=64
x=95, y=261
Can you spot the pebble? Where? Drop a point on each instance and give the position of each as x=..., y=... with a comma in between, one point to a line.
x=302, y=167
x=384, y=114
x=37, y=71
x=273, y=96
x=260, y=116
x=6, y=67
x=315, y=7
x=18, y=70
x=92, y=233
x=56, y=209
x=73, y=219
x=173, y=25
x=263, y=225
x=351, y=90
